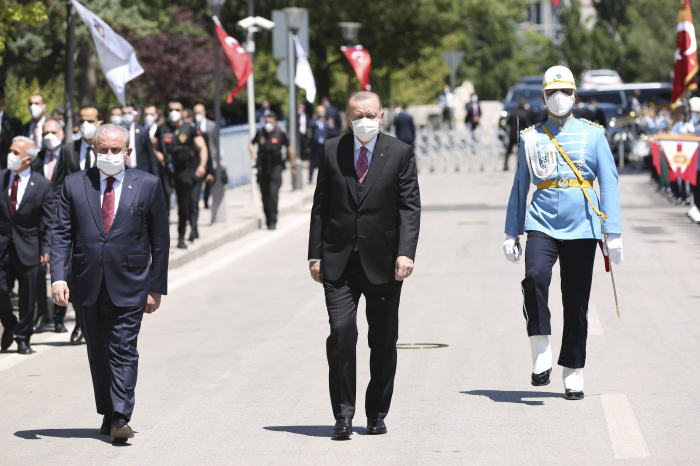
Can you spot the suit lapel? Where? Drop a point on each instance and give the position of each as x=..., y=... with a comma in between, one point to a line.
x=346, y=162
x=379, y=159
x=5, y=196
x=92, y=189
x=130, y=187
x=28, y=191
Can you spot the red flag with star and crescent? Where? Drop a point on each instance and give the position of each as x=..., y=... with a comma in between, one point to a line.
x=361, y=62
x=685, y=65
x=239, y=58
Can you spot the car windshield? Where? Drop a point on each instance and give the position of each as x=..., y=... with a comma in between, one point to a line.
x=614, y=97
x=599, y=74
x=515, y=94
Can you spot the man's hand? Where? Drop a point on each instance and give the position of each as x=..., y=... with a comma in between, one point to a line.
x=60, y=294
x=210, y=179
x=294, y=170
x=153, y=303
x=160, y=157
x=201, y=171
x=404, y=268
x=316, y=270
x=45, y=259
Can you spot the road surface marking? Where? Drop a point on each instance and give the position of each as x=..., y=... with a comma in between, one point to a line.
x=16, y=358
x=625, y=434
x=594, y=325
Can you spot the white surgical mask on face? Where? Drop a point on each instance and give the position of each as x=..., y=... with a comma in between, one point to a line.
x=116, y=119
x=13, y=162
x=269, y=127
x=198, y=117
x=365, y=129
x=559, y=103
x=36, y=111
x=175, y=116
x=88, y=130
x=150, y=120
x=77, y=136
x=128, y=118
x=110, y=164
x=51, y=141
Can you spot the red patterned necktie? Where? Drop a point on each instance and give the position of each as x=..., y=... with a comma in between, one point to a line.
x=362, y=165
x=108, y=205
x=13, y=194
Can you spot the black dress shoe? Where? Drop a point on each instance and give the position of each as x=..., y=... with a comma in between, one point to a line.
x=8, y=336
x=541, y=379
x=106, y=428
x=375, y=427
x=121, y=432
x=272, y=226
x=77, y=335
x=194, y=234
x=181, y=244
x=39, y=323
x=343, y=427
x=58, y=327
x=574, y=394
x=23, y=347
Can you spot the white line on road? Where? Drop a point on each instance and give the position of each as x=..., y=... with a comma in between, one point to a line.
x=16, y=358
x=594, y=325
x=625, y=434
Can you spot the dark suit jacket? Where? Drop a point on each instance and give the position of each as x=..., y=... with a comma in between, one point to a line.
x=145, y=156
x=68, y=164
x=385, y=221
x=405, y=129
x=30, y=227
x=11, y=127
x=132, y=258
x=316, y=134
x=38, y=168
x=470, y=113
x=519, y=120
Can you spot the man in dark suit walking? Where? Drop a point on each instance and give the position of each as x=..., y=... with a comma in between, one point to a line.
x=116, y=223
x=405, y=128
x=365, y=222
x=473, y=113
x=142, y=155
x=10, y=128
x=518, y=120
x=320, y=130
x=26, y=210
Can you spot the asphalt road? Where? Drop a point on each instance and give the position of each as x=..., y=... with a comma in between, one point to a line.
x=233, y=367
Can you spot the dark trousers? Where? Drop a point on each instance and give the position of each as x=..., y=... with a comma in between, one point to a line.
x=26, y=276
x=314, y=161
x=513, y=142
x=207, y=194
x=696, y=191
x=111, y=333
x=270, y=180
x=183, y=191
x=195, y=194
x=42, y=306
x=342, y=297
x=167, y=186
x=576, y=258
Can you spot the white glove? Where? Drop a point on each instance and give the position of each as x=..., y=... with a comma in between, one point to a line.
x=615, y=243
x=509, y=247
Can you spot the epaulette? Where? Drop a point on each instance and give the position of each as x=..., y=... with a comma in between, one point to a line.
x=528, y=129
x=591, y=123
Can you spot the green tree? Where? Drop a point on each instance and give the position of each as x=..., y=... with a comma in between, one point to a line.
x=12, y=13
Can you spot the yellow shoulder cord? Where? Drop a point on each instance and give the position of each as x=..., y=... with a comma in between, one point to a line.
x=600, y=214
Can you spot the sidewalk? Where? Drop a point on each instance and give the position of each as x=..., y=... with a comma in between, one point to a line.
x=242, y=218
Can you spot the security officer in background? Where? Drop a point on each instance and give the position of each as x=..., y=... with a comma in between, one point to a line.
x=320, y=130
x=268, y=159
x=182, y=143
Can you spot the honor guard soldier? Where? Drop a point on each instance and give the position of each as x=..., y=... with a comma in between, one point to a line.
x=269, y=162
x=184, y=145
x=562, y=157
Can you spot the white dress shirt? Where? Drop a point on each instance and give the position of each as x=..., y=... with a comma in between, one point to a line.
x=56, y=154
x=132, y=143
x=22, y=186
x=152, y=131
x=117, y=187
x=85, y=153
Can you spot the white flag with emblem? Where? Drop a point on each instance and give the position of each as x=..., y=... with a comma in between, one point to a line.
x=304, y=78
x=117, y=56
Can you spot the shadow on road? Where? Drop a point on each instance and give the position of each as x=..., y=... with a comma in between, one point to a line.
x=501, y=396
x=62, y=433
x=311, y=431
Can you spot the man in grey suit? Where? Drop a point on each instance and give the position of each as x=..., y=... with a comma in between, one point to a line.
x=210, y=132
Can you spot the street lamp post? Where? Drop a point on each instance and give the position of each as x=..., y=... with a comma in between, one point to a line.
x=295, y=20
x=349, y=32
x=218, y=214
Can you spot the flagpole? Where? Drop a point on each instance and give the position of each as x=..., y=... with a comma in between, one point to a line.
x=70, y=69
x=218, y=207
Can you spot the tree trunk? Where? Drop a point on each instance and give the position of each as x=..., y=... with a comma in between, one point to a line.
x=321, y=73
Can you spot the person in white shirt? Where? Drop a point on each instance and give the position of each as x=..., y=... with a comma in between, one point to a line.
x=37, y=108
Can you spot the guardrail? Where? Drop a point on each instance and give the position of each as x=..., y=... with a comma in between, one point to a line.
x=455, y=149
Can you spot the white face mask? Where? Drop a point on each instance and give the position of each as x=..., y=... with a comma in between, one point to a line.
x=13, y=162
x=175, y=116
x=88, y=130
x=365, y=129
x=559, y=103
x=51, y=141
x=77, y=136
x=116, y=119
x=150, y=120
x=128, y=118
x=269, y=127
x=36, y=111
x=110, y=164
x=198, y=117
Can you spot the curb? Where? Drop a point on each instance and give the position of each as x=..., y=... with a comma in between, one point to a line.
x=232, y=233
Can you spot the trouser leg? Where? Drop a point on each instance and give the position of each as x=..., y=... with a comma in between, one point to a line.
x=576, y=260
x=183, y=191
x=95, y=327
x=696, y=191
x=42, y=307
x=194, y=202
x=275, y=183
x=541, y=252
x=7, y=317
x=167, y=188
x=26, y=276
x=207, y=194
x=314, y=161
x=383, y=320
x=342, y=297
x=264, y=181
x=511, y=144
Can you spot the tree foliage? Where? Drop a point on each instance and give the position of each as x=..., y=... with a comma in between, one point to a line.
x=13, y=13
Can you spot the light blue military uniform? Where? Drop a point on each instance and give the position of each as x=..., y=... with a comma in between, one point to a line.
x=564, y=214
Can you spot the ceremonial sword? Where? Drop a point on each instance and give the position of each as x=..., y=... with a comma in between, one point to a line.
x=516, y=257
x=612, y=276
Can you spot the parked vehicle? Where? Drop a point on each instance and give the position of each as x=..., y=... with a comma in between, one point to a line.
x=531, y=80
x=594, y=78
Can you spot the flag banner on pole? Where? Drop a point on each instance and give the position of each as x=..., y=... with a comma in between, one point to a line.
x=239, y=58
x=304, y=78
x=685, y=65
x=117, y=56
x=361, y=62
x=655, y=156
x=680, y=156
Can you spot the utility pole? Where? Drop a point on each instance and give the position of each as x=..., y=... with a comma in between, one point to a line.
x=70, y=68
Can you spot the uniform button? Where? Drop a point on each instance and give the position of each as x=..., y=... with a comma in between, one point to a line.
x=100, y=261
x=359, y=215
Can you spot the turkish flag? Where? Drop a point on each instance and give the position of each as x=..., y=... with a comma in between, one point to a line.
x=685, y=65
x=240, y=61
x=655, y=156
x=682, y=157
x=361, y=62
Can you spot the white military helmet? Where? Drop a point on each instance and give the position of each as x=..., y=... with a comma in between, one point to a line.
x=694, y=104
x=558, y=77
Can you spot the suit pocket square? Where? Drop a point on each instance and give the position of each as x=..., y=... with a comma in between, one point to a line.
x=137, y=261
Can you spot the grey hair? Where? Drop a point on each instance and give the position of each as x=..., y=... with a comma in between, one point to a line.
x=112, y=128
x=33, y=150
x=364, y=95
